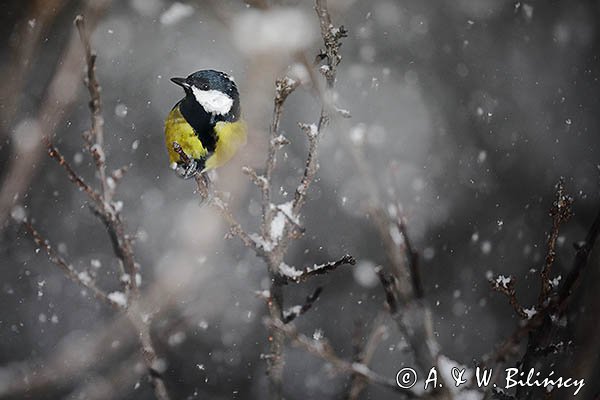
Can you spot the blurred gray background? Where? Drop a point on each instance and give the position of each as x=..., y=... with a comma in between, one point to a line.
x=470, y=111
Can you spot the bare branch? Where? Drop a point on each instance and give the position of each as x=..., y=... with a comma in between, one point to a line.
x=291, y=274
x=560, y=213
x=323, y=350
x=280, y=224
x=73, y=176
x=58, y=98
x=259, y=180
x=283, y=88
x=234, y=227
x=364, y=352
x=95, y=138
x=294, y=312
x=540, y=328
x=582, y=256
x=332, y=37
x=81, y=278
x=506, y=286
x=389, y=283
x=108, y=211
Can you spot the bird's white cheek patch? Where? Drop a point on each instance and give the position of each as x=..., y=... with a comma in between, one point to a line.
x=213, y=101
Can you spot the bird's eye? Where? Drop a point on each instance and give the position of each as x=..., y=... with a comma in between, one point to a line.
x=204, y=86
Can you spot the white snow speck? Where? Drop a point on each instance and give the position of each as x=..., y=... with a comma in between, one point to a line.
x=176, y=339
x=357, y=134
x=18, y=214
x=428, y=253
x=482, y=156
x=364, y=274
x=313, y=130
x=264, y=294
x=118, y=206
x=278, y=29
x=121, y=110
x=503, y=281
x=486, y=247
x=277, y=226
x=278, y=223
x=528, y=10
x=295, y=310
x=530, y=312
x=118, y=298
x=84, y=277
x=27, y=135
x=318, y=335
x=288, y=271
x=78, y=158
x=125, y=278
x=396, y=235
x=110, y=182
x=176, y=13
x=260, y=242
x=299, y=71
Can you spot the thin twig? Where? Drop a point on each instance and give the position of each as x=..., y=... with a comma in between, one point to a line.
x=560, y=213
x=81, y=278
x=73, y=176
x=95, y=138
x=234, y=226
x=540, y=328
x=283, y=88
x=273, y=241
x=294, y=312
x=322, y=349
x=109, y=212
x=364, y=352
x=290, y=274
x=506, y=286
x=57, y=99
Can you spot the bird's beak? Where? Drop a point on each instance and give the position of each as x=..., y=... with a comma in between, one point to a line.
x=181, y=82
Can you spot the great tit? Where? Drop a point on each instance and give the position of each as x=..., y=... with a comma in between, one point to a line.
x=206, y=123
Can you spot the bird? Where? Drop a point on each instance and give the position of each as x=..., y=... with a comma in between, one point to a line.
x=204, y=130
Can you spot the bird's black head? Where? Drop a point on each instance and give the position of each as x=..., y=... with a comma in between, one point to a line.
x=214, y=91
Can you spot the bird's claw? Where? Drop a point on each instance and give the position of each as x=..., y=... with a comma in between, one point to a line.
x=187, y=170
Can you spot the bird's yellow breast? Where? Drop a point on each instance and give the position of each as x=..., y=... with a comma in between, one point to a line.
x=178, y=130
x=230, y=137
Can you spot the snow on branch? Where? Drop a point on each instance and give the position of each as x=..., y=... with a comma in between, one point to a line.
x=280, y=223
x=294, y=312
x=81, y=278
x=506, y=286
x=321, y=348
x=291, y=274
x=543, y=319
x=108, y=212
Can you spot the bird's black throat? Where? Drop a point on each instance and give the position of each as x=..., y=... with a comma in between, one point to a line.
x=202, y=122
